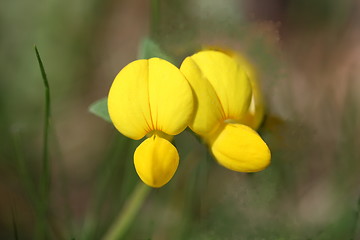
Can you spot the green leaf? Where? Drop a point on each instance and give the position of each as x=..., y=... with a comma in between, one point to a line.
x=149, y=48
x=100, y=109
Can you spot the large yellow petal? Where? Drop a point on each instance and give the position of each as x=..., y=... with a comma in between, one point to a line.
x=170, y=96
x=156, y=161
x=240, y=148
x=150, y=95
x=207, y=107
x=128, y=100
x=255, y=114
x=229, y=80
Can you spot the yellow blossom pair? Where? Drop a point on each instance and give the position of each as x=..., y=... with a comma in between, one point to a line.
x=211, y=93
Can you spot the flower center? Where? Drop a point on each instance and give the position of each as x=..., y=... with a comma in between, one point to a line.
x=160, y=134
x=231, y=121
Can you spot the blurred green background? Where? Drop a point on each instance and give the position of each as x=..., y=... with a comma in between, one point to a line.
x=308, y=57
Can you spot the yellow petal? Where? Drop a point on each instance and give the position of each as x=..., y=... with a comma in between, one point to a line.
x=150, y=95
x=255, y=114
x=170, y=97
x=207, y=108
x=156, y=161
x=128, y=100
x=239, y=148
x=228, y=79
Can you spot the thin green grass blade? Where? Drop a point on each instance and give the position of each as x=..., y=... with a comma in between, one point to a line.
x=192, y=197
x=356, y=232
x=23, y=170
x=46, y=170
x=64, y=199
x=15, y=228
x=115, y=172
x=103, y=185
x=128, y=214
x=100, y=109
x=45, y=183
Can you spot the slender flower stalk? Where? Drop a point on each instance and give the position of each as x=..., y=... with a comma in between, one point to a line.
x=129, y=212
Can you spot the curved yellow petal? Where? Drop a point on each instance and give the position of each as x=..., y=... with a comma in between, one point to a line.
x=156, y=161
x=128, y=102
x=240, y=148
x=207, y=108
x=255, y=114
x=228, y=79
x=150, y=95
x=170, y=96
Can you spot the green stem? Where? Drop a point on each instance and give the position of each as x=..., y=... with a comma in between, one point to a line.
x=129, y=212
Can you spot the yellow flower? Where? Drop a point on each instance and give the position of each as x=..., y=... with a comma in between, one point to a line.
x=223, y=93
x=151, y=98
